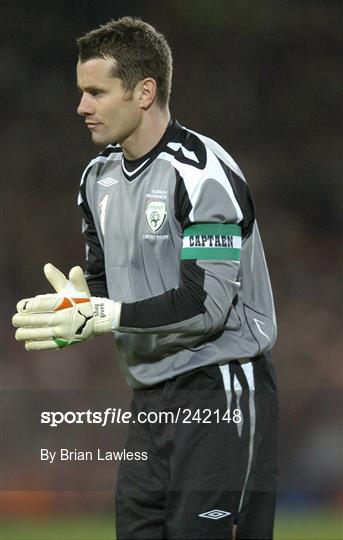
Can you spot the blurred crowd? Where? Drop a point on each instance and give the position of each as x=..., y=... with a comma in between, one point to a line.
x=262, y=78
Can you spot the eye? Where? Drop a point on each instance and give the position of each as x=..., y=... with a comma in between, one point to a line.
x=96, y=93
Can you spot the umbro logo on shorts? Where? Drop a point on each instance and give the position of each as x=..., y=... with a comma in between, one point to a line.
x=107, y=181
x=215, y=514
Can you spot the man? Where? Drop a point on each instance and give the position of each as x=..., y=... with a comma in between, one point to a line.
x=175, y=268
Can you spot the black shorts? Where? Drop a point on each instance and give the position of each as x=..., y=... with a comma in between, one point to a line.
x=211, y=468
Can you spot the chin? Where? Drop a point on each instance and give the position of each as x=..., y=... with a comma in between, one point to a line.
x=99, y=141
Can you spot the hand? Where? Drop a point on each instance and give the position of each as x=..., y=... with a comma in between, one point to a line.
x=54, y=321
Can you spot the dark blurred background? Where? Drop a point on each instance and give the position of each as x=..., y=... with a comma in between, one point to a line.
x=264, y=79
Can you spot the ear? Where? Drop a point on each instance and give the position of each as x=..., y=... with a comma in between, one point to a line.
x=148, y=90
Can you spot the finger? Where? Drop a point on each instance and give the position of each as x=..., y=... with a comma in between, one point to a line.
x=55, y=277
x=41, y=345
x=35, y=320
x=78, y=280
x=37, y=334
x=43, y=303
x=23, y=305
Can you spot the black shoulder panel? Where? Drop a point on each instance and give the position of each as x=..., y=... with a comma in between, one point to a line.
x=182, y=204
x=244, y=198
x=193, y=144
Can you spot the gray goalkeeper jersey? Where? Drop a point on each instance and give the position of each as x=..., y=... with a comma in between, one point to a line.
x=173, y=236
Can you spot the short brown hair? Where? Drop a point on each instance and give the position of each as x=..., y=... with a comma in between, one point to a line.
x=139, y=50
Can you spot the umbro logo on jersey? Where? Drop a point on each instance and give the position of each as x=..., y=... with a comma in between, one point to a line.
x=106, y=182
x=215, y=514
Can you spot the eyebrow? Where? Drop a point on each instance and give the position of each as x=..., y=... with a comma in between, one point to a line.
x=91, y=88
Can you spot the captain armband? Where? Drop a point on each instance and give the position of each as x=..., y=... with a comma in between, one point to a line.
x=216, y=241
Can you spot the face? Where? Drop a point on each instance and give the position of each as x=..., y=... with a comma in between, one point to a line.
x=111, y=113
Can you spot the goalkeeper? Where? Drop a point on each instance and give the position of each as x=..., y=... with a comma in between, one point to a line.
x=175, y=269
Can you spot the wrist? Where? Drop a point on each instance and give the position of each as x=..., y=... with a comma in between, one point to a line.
x=106, y=315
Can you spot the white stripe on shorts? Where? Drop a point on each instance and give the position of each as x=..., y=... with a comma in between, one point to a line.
x=249, y=375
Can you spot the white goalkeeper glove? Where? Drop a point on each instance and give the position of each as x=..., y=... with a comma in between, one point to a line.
x=54, y=321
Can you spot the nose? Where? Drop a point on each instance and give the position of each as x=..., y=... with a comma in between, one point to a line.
x=85, y=107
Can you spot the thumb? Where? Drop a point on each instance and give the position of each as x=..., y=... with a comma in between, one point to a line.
x=55, y=277
x=77, y=278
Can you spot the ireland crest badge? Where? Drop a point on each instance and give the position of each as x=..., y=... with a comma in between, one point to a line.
x=155, y=214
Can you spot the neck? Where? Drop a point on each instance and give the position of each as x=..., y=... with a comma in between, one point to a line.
x=147, y=134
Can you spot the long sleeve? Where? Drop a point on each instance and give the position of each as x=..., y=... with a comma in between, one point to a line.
x=95, y=263
x=216, y=212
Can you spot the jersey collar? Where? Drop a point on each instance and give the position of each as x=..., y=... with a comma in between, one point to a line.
x=133, y=168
